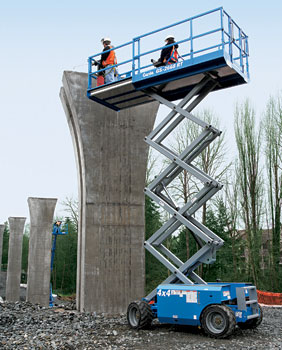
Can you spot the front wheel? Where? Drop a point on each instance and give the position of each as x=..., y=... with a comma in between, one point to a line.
x=139, y=315
x=218, y=321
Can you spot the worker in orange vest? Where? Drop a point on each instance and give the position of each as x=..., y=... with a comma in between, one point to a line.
x=108, y=59
x=169, y=55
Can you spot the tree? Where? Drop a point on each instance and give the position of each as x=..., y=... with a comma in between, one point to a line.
x=25, y=248
x=220, y=222
x=211, y=160
x=231, y=193
x=273, y=147
x=71, y=206
x=155, y=271
x=64, y=268
x=5, y=247
x=250, y=182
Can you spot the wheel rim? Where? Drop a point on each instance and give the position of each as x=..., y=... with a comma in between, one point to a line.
x=216, y=322
x=134, y=316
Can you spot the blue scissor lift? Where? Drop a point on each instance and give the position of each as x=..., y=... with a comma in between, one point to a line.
x=214, y=55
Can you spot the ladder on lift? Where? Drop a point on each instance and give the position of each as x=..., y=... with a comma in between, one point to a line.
x=208, y=241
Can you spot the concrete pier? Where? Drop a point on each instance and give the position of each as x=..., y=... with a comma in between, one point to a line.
x=39, y=256
x=111, y=158
x=2, y=228
x=16, y=225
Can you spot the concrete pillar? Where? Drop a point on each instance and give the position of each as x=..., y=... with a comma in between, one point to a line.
x=39, y=255
x=111, y=158
x=2, y=228
x=16, y=225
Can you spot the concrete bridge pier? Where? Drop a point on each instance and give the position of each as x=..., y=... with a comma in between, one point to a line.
x=111, y=158
x=16, y=225
x=39, y=256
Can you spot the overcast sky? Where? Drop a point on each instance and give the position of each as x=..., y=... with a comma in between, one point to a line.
x=41, y=39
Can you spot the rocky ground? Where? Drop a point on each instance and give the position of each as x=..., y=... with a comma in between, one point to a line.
x=25, y=326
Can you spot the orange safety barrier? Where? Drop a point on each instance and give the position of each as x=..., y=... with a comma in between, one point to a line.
x=269, y=298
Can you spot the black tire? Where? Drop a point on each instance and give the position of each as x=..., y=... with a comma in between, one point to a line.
x=139, y=315
x=253, y=323
x=218, y=321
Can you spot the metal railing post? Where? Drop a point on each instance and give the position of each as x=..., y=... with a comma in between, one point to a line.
x=89, y=73
x=133, y=57
x=230, y=31
x=247, y=57
x=222, y=27
x=191, y=37
x=240, y=46
x=139, y=56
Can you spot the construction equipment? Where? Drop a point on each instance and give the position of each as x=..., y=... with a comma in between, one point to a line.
x=184, y=297
x=57, y=231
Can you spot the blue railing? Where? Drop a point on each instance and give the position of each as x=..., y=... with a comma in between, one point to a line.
x=223, y=34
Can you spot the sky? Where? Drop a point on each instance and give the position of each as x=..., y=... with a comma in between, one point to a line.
x=41, y=39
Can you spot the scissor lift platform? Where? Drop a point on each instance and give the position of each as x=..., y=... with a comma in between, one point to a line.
x=226, y=61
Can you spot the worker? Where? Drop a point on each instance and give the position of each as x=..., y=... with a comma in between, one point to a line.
x=108, y=59
x=169, y=55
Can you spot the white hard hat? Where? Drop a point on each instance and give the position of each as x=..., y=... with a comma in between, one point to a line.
x=169, y=37
x=105, y=39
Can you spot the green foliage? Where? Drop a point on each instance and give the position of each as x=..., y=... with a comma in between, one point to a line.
x=225, y=268
x=25, y=254
x=155, y=271
x=64, y=268
x=249, y=174
x=5, y=248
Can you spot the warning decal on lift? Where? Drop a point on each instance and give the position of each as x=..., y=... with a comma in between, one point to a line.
x=191, y=296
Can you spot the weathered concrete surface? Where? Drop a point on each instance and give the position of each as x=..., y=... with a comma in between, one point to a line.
x=2, y=228
x=39, y=256
x=16, y=225
x=111, y=158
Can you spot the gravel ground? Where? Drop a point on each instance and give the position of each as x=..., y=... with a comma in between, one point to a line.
x=25, y=326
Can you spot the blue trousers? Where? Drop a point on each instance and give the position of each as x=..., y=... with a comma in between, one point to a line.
x=110, y=76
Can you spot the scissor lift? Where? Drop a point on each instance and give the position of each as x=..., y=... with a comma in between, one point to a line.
x=184, y=297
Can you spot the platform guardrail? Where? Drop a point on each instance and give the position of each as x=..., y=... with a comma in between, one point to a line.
x=202, y=34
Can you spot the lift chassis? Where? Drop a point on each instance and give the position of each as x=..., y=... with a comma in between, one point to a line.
x=184, y=297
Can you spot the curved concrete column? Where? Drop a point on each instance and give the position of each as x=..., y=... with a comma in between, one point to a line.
x=39, y=254
x=16, y=225
x=111, y=158
x=2, y=228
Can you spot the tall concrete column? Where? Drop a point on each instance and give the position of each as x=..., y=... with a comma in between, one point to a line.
x=39, y=255
x=16, y=225
x=2, y=228
x=111, y=158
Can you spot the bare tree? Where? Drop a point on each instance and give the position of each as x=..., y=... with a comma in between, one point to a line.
x=273, y=148
x=250, y=181
x=231, y=193
x=152, y=164
x=71, y=206
x=213, y=158
x=212, y=161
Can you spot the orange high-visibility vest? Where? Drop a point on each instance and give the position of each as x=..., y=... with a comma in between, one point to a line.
x=111, y=59
x=173, y=56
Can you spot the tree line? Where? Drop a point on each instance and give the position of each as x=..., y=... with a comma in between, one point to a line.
x=246, y=213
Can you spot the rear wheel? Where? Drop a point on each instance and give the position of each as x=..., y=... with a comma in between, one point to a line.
x=139, y=315
x=218, y=321
x=253, y=323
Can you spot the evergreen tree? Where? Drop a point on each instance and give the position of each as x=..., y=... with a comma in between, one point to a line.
x=64, y=268
x=5, y=248
x=155, y=271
